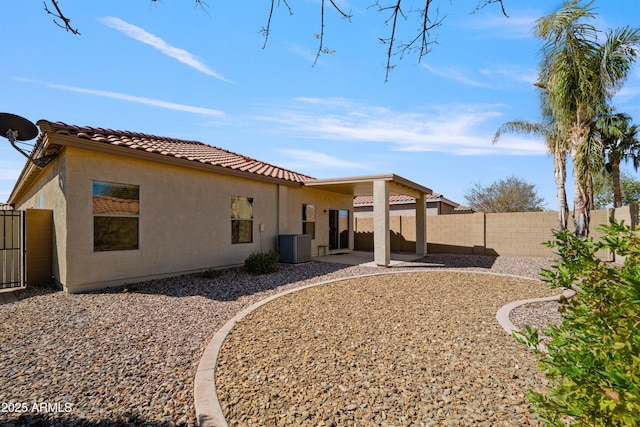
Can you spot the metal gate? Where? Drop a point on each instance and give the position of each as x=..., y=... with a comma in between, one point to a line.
x=12, y=250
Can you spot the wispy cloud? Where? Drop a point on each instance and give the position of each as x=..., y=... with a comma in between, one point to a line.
x=519, y=24
x=456, y=128
x=156, y=42
x=493, y=77
x=305, y=53
x=9, y=171
x=130, y=98
x=628, y=92
x=511, y=73
x=454, y=74
x=316, y=160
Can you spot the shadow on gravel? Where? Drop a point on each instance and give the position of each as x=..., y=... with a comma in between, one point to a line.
x=456, y=261
x=66, y=420
x=235, y=283
x=35, y=290
x=231, y=284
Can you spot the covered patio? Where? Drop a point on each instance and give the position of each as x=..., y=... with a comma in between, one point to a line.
x=381, y=187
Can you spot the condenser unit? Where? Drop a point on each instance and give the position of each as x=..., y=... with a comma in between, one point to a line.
x=294, y=248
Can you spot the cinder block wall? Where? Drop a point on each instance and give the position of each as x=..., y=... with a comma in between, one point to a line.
x=519, y=234
x=401, y=228
x=507, y=234
x=456, y=234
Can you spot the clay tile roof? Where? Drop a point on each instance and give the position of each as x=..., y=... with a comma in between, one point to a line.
x=462, y=208
x=368, y=200
x=194, y=151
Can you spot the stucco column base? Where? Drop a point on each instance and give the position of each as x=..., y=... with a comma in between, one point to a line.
x=381, y=239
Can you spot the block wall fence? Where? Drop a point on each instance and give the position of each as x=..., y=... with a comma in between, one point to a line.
x=497, y=234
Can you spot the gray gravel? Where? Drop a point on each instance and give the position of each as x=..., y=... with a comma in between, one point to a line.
x=537, y=315
x=129, y=358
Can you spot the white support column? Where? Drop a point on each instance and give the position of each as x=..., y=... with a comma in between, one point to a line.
x=421, y=225
x=381, y=239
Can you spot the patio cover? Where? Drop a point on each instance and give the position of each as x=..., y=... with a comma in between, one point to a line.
x=381, y=187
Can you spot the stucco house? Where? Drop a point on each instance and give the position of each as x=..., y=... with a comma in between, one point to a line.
x=129, y=206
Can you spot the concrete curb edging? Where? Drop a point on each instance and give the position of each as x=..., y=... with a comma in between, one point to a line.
x=208, y=410
x=502, y=316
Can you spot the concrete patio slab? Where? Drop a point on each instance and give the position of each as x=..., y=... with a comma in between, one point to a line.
x=365, y=259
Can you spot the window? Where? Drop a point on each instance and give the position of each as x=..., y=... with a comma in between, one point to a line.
x=116, y=208
x=309, y=220
x=241, y=219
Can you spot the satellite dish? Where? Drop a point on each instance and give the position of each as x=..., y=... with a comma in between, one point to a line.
x=17, y=128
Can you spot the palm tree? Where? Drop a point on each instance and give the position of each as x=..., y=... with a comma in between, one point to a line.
x=556, y=146
x=620, y=142
x=579, y=75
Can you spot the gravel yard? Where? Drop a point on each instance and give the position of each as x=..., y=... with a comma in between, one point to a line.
x=421, y=348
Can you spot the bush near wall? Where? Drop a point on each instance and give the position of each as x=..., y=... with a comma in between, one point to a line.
x=262, y=262
x=593, y=359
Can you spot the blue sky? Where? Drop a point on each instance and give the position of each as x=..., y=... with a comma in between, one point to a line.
x=168, y=68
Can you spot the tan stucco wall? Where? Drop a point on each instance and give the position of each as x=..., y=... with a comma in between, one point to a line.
x=324, y=201
x=184, y=221
x=50, y=189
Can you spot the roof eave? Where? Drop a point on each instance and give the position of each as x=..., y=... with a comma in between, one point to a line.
x=88, y=144
x=361, y=185
x=29, y=172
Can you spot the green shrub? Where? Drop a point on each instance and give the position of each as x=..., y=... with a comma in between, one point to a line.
x=210, y=273
x=593, y=359
x=262, y=262
x=128, y=287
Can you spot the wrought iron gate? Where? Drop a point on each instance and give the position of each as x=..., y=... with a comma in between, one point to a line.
x=12, y=250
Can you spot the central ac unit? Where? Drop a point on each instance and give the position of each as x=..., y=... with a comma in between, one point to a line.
x=294, y=248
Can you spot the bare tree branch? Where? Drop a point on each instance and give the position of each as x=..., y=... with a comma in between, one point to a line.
x=397, y=11
x=320, y=37
x=344, y=15
x=421, y=42
x=267, y=30
x=203, y=6
x=58, y=14
x=483, y=3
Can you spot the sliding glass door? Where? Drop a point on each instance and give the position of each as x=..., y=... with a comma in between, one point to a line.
x=338, y=229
